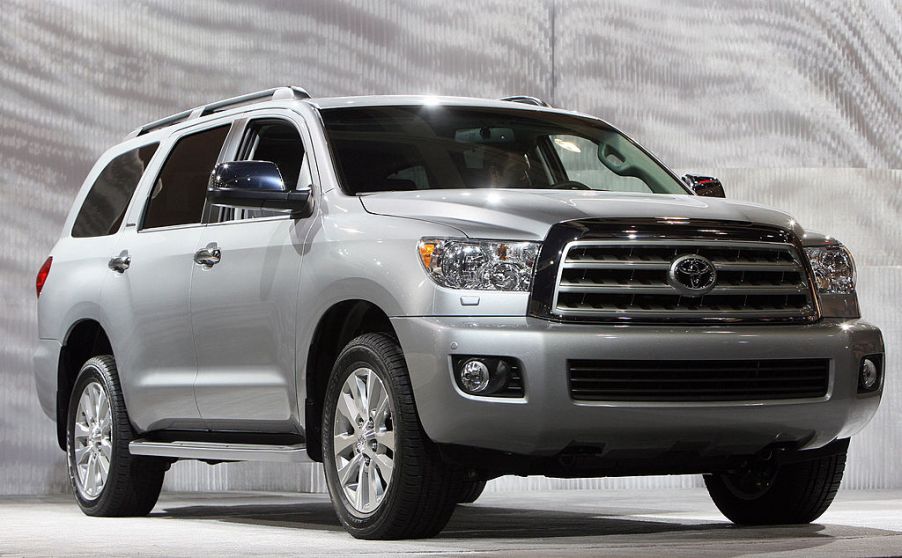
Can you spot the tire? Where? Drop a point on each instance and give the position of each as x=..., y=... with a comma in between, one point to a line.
x=418, y=491
x=793, y=493
x=471, y=492
x=132, y=483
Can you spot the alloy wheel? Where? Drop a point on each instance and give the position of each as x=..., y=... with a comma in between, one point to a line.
x=364, y=440
x=93, y=441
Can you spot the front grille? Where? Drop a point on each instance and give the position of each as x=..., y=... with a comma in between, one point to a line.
x=617, y=279
x=697, y=380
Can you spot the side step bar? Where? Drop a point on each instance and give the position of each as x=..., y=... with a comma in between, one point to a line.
x=214, y=451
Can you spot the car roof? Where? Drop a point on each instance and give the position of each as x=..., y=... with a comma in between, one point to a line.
x=287, y=95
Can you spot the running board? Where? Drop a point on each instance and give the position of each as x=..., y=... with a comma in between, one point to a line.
x=214, y=451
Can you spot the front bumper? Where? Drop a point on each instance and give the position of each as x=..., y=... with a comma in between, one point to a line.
x=547, y=421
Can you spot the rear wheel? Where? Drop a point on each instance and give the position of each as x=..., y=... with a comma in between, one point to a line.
x=106, y=479
x=386, y=478
x=780, y=495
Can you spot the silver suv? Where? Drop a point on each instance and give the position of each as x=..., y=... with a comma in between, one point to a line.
x=426, y=293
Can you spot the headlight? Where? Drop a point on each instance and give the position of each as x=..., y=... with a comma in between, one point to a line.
x=834, y=276
x=488, y=265
x=834, y=269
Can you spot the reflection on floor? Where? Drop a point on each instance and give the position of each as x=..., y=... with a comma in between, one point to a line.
x=559, y=523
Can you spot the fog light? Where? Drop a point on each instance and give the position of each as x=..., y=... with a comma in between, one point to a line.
x=474, y=376
x=488, y=376
x=869, y=374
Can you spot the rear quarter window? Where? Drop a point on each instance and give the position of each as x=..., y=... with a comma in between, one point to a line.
x=104, y=206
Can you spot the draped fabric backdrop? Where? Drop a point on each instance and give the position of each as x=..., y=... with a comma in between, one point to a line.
x=796, y=104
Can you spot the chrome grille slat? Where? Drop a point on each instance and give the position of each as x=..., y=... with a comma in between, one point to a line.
x=755, y=266
x=665, y=264
x=591, y=264
x=656, y=289
x=627, y=279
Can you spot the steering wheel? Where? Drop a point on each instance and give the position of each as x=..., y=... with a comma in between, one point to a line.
x=570, y=185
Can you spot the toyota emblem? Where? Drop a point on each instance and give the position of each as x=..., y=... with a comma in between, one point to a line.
x=692, y=275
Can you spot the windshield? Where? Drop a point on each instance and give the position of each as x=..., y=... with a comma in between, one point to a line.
x=426, y=147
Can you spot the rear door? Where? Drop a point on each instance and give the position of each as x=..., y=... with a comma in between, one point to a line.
x=147, y=298
x=244, y=306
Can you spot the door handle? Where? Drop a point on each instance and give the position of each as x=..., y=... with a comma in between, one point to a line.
x=207, y=257
x=120, y=263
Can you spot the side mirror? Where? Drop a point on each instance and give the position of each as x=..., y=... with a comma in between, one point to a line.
x=704, y=185
x=254, y=185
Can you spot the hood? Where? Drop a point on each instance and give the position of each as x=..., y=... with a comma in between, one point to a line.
x=529, y=214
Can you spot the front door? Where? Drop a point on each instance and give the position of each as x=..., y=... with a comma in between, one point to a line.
x=244, y=299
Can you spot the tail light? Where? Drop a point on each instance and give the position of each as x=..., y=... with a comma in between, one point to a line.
x=42, y=275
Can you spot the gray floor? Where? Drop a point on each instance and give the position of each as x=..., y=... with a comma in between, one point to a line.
x=560, y=523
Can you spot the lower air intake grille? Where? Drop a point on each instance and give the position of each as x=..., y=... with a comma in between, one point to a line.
x=697, y=380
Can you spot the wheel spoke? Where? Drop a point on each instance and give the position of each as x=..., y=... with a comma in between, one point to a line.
x=106, y=449
x=345, y=473
x=86, y=408
x=103, y=467
x=80, y=454
x=372, y=391
x=360, y=398
x=373, y=484
x=386, y=438
x=343, y=442
x=80, y=431
x=104, y=413
x=361, y=476
x=348, y=409
x=83, y=474
x=94, y=392
x=98, y=399
x=91, y=484
x=381, y=410
x=386, y=465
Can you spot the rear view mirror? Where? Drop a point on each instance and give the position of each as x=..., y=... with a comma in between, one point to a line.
x=484, y=135
x=253, y=185
x=704, y=185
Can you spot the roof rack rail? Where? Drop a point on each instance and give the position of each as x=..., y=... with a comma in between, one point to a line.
x=526, y=100
x=273, y=94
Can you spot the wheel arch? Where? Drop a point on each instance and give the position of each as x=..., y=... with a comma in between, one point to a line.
x=86, y=338
x=339, y=324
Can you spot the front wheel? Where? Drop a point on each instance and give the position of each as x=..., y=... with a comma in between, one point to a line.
x=787, y=494
x=386, y=478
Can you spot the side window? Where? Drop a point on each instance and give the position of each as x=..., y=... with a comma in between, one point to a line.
x=178, y=195
x=276, y=141
x=579, y=157
x=106, y=202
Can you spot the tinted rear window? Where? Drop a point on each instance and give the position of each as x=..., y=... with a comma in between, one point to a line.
x=106, y=202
